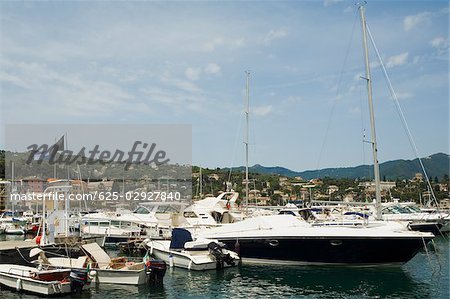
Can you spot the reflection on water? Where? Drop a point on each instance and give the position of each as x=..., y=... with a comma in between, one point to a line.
x=417, y=279
x=269, y=281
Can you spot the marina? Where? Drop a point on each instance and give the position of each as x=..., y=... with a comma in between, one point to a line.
x=417, y=279
x=138, y=208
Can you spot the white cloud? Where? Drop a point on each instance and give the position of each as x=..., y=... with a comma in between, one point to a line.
x=437, y=42
x=192, y=73
x=355, y=110
x=327, y=3
x=349, y=9
x=211, y=45
x=397, y=60
x=237, y=43
x=274, y=34
x=409, y=22
x=440, y=44
x=212, y=68
x=294, y=99
x=404, y=95
x=262, y=110
x=175, y=100
x=184, y=85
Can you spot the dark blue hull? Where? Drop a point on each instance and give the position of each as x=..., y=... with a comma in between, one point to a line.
x=326, y=250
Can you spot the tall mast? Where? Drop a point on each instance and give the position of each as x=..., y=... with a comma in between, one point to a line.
x=368, y=79
x=246, y=138
x=13, y=187
x=201, y=184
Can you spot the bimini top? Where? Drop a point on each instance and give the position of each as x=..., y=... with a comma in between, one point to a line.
x=179, y=237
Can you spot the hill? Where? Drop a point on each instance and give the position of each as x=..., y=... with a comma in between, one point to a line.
x=436, y=165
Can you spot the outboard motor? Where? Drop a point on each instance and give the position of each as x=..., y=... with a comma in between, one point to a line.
x=78, y=279
x=221, y=258
x=156, y=269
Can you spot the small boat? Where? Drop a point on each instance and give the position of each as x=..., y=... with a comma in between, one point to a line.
x=105, y=269
x=39, y=282
x=201, y=254
x=13, y=226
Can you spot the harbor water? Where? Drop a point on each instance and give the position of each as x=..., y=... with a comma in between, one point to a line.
x=425, y=276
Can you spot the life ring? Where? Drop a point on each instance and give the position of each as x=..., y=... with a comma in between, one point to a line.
x=38, y=240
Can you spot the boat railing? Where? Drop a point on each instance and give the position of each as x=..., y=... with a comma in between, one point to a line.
x=22, y=271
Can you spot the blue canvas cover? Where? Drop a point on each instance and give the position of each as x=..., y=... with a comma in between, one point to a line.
x=179, y=237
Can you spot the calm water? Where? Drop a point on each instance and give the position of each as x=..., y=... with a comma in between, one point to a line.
x=420, y=278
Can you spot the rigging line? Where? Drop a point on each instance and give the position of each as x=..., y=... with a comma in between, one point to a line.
x=402, y=117
x=338, y=89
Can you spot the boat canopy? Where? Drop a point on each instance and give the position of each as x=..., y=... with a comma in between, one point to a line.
x=179, y=237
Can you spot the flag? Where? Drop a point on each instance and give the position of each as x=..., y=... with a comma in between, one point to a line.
x=60, y=144
x=146, y=257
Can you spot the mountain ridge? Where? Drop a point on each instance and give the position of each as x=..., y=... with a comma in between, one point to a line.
x=436, y=165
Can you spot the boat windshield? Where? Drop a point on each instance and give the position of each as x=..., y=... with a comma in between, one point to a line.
x=141, y=210
x=395, y=210
x=413, y=209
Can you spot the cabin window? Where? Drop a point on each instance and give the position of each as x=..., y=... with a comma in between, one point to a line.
x=189, y=214
x=141, y=210
x=115, y=223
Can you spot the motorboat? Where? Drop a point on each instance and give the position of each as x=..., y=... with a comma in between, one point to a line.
x=213, y=211
x=12, y=226
x=184, y=252
x=286, y=239
x=42, y=282
x=416, y=219
x=105, y=269
x=109, y=226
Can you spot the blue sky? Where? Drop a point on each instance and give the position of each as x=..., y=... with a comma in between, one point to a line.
x=184, y=63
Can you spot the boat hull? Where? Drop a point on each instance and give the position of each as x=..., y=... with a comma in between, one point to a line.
x=327, y=250
x=125, y=277
x=197, y=260
x=102, y=276
x=14, y=231
x=18, y=278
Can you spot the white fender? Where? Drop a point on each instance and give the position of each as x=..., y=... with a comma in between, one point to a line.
x=19, y=284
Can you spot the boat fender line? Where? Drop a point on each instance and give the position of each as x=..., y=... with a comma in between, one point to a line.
x=426, y=251
x=436, y=254
x=19, y=285
x=190, y=265
x=237, y=248
x=59, y=287
x=21, y=255
x=170, y=260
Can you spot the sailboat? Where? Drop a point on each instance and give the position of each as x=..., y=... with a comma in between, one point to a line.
x=286, y=239
x=10, y=222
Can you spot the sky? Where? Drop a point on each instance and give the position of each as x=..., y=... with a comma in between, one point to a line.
x=184, y=62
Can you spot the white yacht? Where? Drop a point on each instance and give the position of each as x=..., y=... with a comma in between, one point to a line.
x=289, y=239
x=184, y=252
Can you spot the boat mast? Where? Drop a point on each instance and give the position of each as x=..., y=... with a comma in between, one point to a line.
x=201, y=184
x=13, y=188
x=246, y=139
x=376, y=167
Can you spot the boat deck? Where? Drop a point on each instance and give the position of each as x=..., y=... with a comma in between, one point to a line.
x=7, y=245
